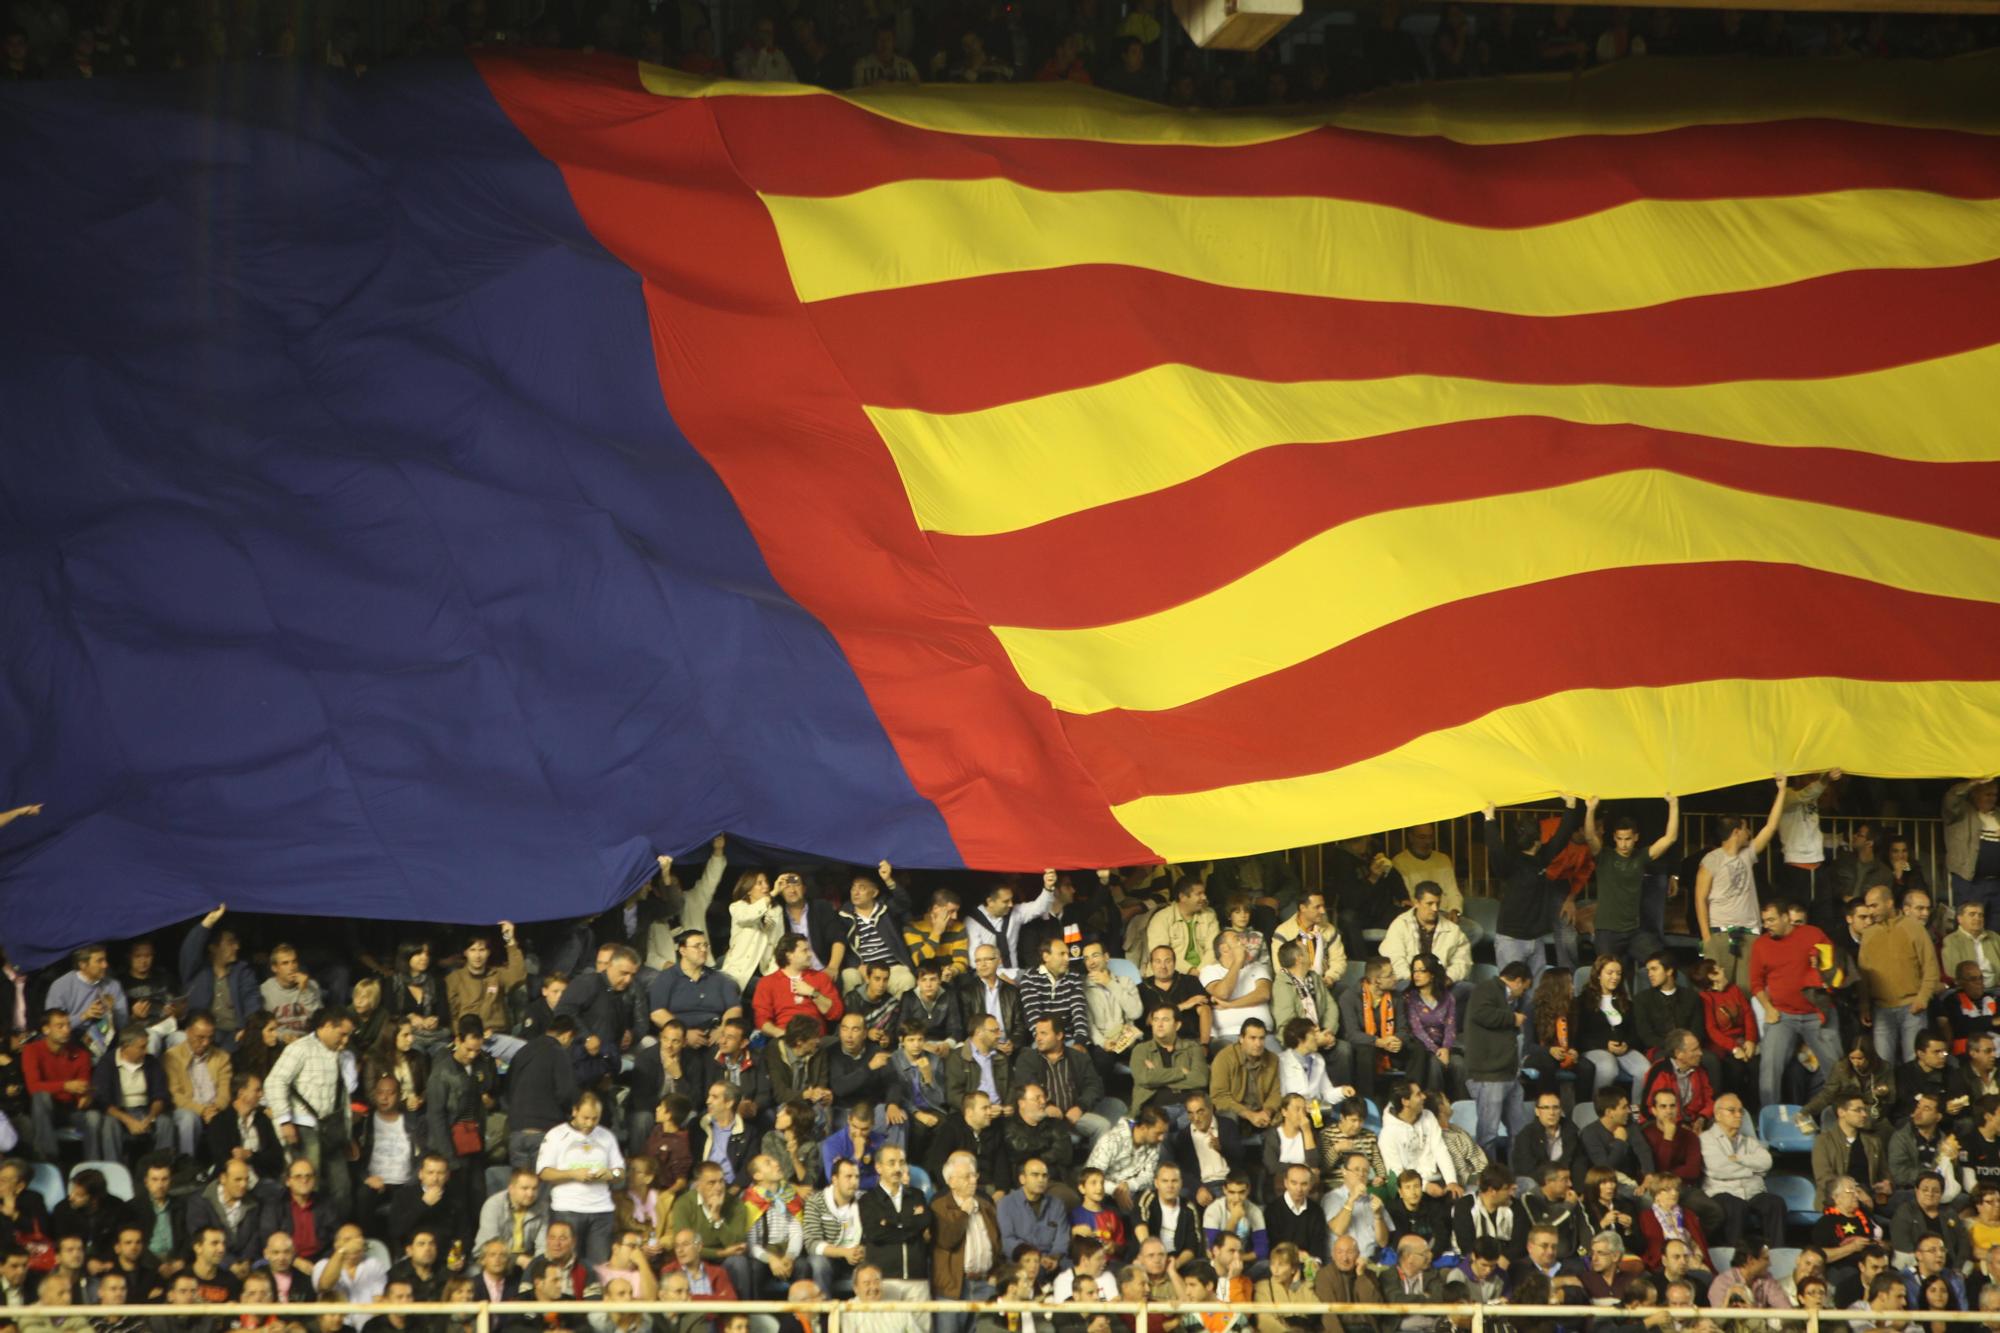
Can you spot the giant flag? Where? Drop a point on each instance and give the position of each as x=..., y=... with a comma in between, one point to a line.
x=433, y=496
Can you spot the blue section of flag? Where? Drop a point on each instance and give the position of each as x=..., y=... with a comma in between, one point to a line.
x=350, y=561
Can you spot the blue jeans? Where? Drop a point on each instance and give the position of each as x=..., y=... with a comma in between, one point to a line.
x=1608, y=1066
x=1507, y=949
x=1985, y=891
x=954, y=1321
x=1781, y=1043
x=1896, y=1033
x=1499, y=1106
x=594, y=1234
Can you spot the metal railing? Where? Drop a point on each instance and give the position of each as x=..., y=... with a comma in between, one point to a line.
x=483, y=1312
x=1464, y=840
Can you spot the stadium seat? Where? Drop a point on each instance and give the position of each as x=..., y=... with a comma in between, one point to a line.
x=1721, y=1255
x=1371, y=1116
x=1485, y=911
x=1123, y=967
x=117, y=1177
x=1482, y=972
x=1799, y=1196
x=921, y=1179
x=376, y=1249
x=48, y=1182
x=1466, y=1116
x=1783, y=1261
x=1356, y=969
x=1778, y=1127
x=1584, y=1114
x=1374, y=935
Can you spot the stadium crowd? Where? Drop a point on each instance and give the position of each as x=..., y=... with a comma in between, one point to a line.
x=1168, y=1083
x=1134, y=47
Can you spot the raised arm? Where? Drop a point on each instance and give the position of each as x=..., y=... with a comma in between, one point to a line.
x=1590, y=837
x=1770, y=829
x=1672, y=835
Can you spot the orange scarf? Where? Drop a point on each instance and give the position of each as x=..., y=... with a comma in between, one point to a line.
x=1378, y=1016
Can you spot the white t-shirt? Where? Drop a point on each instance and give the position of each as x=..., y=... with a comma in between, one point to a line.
x=1229, y=1022
x=1732, y=889
x=566, y=1150
x=1799, y=834
x=391, y=1158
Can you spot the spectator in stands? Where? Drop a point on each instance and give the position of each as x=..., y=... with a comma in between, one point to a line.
x=1426, y=929
x=1735, y=1162
x=58, y=1076
x=583, y=1163
x=1129, y=1152
x=1373, y=1021
x=1186, y=928
x=1551, y=1141
x=1491, y=1211
x=1069, y=1080
x=1029, y=1215
x=998, y=922
x=1492, y=1049
x=1971, y=842
x=1923, y=1145
x=1749, y=1273
x=1901, y=965
x=1613, y=1142
x=1412, y=1141
x=1431, y=1015
x=938, y=936
x=872, y=933
x=795, y=989
x=1529, y=899
x=1663, y=1007
x=1169, y=1216
x=93, y=999
x=1168, y=1067
x=761, y=59
x=1725, y=890
x=1606, y=1029
x=1244, y=1081
x=1310, y=926
x=986, y=991
x=1034, y=1131
x=1679, y=1069
x=693, y=994
x=1051, y=989
x=1292, y=1219
x=1180, y=991
x=1620, y=880
x=128, y=1099
x=480, y=990
x=966, y=1239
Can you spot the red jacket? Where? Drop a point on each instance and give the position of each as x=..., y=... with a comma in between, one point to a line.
x=1680, y=1157
x=1726, y=1015
x=1699, y=1099
x=1656, y=1240
x=720, y=1288
x=47, y=1069
x=1786, y=967
x=774, y=1002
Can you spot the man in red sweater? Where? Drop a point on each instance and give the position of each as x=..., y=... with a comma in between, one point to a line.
x=794, y=989
x=58, y=1078
x=1677, y=1151
x=1786, y=982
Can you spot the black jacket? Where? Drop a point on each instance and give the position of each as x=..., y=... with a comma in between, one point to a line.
x=1530, y=1153
x=1528, y=897
x=453, y=1095
x=1187, y=1228
x=1655, y=1014
x=415, y=1134
x=1049, y=1140
x=751, y=1077
x=942, y=1021
x=1492, y=1047
x=1013, y=1018
x=276, y=1215
x=245, y=1244
x=787, y=1082
x=852, y=1080
x=897, y=1240
x=598, y=1010
x=541, y=1085
x=1307, y=1230
x=988, y=1147
x=1181, y=1150
x=1086, y=1088
x=1512, y=1216
x=224, y=1136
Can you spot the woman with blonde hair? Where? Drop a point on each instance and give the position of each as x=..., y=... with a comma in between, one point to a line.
x=756, y=923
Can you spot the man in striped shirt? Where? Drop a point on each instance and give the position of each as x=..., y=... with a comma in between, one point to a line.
x=940, y=936
x=874, y=935
x=1055, y=991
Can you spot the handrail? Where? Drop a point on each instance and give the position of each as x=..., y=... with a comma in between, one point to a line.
x=483, y=1310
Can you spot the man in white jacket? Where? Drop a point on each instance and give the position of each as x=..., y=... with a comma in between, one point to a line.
x=1426, y=929
x=1734, y=1163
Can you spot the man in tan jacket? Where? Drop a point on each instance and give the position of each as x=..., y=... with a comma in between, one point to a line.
x=1243, y=1080
x=479, y=988
x=1346, y=1281
x=197, y=1079
x=1185, y=925
x=1901, y=965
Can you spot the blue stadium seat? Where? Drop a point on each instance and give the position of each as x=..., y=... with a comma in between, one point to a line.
x=48, y=1182
x=1783, y=1261
x=1778, y=1127
x=1356, y=969
x=1798, y=1193
x=1123, y=967
x=1482, y=972
x=1371, y=1116
x=1584, y=1114
x=1721, y=1255
x=1466, y=1116
x=1485, y=911
x=921, y=1179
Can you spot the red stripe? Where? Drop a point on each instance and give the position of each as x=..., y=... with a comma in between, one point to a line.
x=962, y=346
x=736, y=355
x=787, y=145
x=1141, y=560
x=1456, y=663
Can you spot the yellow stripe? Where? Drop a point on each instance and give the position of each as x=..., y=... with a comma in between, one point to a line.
x=1376, y=570
x=1613, y=743
x=1024, y=463
x=1631, y=97
x=1643, y=253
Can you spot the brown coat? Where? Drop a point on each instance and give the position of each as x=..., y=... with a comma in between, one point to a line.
x=486, y=995
x=1337, y=1288
x=948, y=1227
x=1230, y=1085
x=180, y=1083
